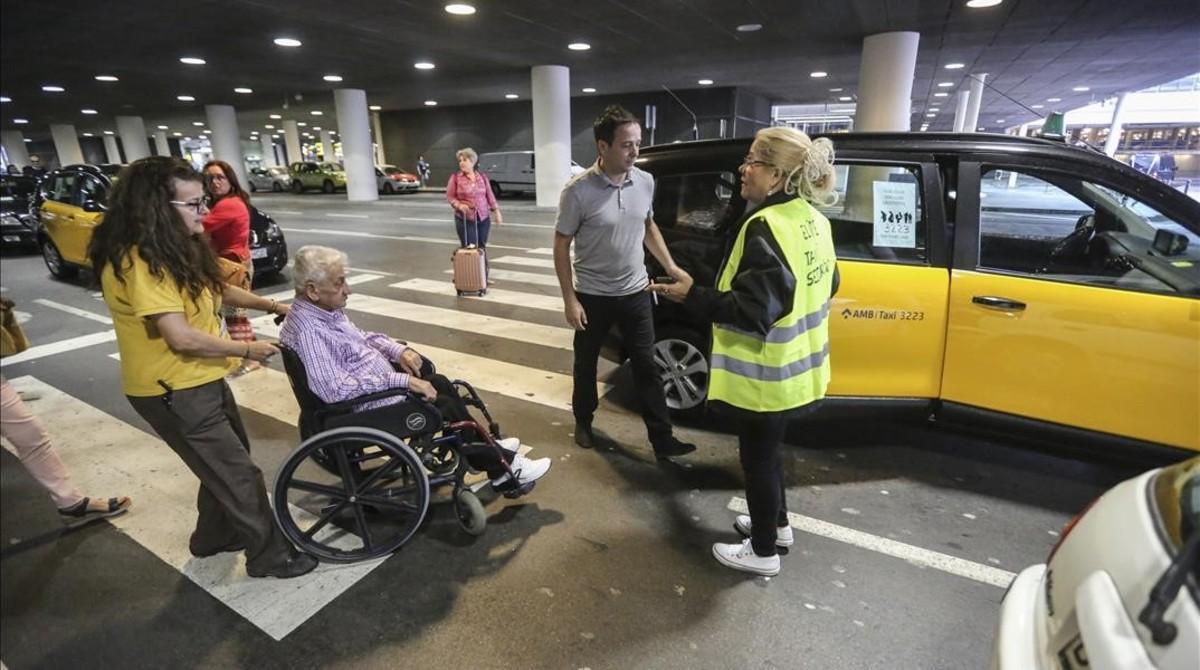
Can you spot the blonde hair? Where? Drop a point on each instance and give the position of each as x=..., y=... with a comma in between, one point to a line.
x=807, y=164
x=469, y=153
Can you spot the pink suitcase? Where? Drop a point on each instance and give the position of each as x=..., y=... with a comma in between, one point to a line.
x=470, y=271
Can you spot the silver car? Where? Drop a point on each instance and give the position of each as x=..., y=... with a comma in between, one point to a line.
x=269, y=179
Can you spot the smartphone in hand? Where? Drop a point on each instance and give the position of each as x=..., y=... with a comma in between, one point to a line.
x=664, y=280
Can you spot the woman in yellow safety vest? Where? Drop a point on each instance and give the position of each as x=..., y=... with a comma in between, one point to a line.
x=770, y=314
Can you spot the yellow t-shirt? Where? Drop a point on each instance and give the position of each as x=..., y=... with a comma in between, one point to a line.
x=145, y=356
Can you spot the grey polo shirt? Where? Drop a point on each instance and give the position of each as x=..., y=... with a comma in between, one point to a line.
x=608, y=222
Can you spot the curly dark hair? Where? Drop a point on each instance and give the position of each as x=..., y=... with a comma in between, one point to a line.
x=613, y=117
x=235, y=186
x=141, y=215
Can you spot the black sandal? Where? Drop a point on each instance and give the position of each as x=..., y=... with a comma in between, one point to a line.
x=80, y=511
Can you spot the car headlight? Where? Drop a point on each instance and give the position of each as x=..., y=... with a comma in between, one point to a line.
x=273, y=231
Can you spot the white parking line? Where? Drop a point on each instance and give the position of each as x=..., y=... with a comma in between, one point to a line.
x=961, y=567
x=74, y=310
x=60, y=347
x=525, y=261
x=347, y=216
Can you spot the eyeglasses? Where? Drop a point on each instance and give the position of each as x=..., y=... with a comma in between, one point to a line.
x=198, y=205
x=750, y=160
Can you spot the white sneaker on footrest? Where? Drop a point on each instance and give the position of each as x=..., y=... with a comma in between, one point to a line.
x=742, y=557
x=509, y=444
x=526, y=469
x=784, y=537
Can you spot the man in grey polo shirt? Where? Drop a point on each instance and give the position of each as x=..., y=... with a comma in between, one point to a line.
x=607, y=211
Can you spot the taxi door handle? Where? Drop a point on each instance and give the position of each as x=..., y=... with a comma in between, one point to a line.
x=996, y=302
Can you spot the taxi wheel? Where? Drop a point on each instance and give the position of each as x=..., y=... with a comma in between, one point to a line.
x=55, y=263
x=682, y=362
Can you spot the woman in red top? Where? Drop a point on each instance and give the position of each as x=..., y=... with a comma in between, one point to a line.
x=228, y=229
x=470, y=194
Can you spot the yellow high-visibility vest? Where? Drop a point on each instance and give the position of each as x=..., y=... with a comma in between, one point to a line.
x=789, y=366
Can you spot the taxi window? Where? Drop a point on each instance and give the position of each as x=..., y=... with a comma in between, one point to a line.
x=879, y=214
x=698, y=202
x=1061, y=227
x=63, y=188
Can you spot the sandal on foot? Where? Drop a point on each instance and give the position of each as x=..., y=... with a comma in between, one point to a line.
x=81, y=512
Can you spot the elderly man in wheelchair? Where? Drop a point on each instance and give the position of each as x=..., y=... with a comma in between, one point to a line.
x=380, y=428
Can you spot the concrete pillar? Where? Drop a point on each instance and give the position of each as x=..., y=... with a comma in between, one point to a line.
x=133, y=137
x=111, y=148
x=66, y=144
x=377, y=129
x=14, y=146
x=551, y=131
x=291, y=139
x=327, y=146
x=161, y=146
x=225, y=141
x=268, y=150
x=885, y=80
x=960, y=112
x=1114, y=131
x=354, y=128
x=972, y=121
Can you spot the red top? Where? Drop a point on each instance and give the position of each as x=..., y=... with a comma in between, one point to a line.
x=460, y=190
x=228, y=226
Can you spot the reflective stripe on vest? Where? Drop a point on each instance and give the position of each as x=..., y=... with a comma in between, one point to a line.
x=788, y=367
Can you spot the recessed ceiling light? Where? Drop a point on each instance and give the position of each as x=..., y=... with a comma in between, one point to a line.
x=589, y=89
x=177, y=134
x=275, y=136
x=206, y=131
x=460, y=9
x=88, y=135
x=954, y=66
x=999, y=120
x=931, y=115
x=1036, y=106
x=375, y=108
x=332, y=77
x=301, y=124
x=109, y=132
x=979, y=4
x=945, y=84
x=198, y=124
x=243, y=90
x=276, y=116
x=253, y=132
x=845, y=98
x=287, y=42
x=1053, y=99
x=5, y=98
x=835, y=90
x=579, y=46
x=749, y=27
x=187, y=139
x=26, y=139
x=705, y=82
x=269, y=127
x=424, y=65
x=54, y=89
x=106, y=77
x=316, y=127
x=1081, y=89
x=185, y=98
x=164, y=127
x=316, y=112
x=89, y=112
x=191, y=60
x=431, y=103
x=819, y=74
x=20, y=122
x=941, y=95
x=511, y=96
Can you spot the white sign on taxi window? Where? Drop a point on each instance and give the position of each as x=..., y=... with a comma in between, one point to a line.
x=895, y=215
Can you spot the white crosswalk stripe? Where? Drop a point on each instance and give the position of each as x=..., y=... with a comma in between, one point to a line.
x=493, y=326
x=549, y=303
x=525, y=261
x=520, y=277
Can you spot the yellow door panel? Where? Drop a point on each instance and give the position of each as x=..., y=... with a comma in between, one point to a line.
x=1101, y=359
x=887, y=330
x=85, y=225
x=56, y=217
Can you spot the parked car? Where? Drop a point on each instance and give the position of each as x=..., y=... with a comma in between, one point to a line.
x=512, y=171
x=269, y=179
x=328, y=177
x=72, y=202
x=1121, y=589
x=18, y=222
x=989, y=280
x=394, y=180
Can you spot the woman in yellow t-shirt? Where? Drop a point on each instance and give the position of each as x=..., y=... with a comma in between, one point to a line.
x=161, y=283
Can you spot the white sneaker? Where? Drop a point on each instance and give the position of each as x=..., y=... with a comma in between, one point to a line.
x=783, y=534
x=509, y=444
x=526, y=469
x=742, y=557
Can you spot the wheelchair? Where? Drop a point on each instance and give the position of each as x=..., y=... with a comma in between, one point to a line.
x=359, y=485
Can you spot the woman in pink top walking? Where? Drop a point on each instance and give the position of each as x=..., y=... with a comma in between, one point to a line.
x=470, y=194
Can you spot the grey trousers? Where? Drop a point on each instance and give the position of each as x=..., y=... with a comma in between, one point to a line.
x=203, y=426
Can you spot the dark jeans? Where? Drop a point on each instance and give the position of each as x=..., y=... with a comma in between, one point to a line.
x=468, y=233
x=759, y=439
x=634, y=315
x=203, y=426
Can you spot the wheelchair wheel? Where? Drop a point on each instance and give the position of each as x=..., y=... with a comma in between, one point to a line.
x=351, y=494
x=471, y=516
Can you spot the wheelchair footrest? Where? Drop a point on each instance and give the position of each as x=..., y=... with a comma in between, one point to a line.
x=519, y=490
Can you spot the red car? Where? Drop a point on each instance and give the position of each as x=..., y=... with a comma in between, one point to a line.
x=394, y=180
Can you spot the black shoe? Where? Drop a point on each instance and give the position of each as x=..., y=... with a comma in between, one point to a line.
x=236, y=545
x=298, y=564
x=673, y=447
x=584, y=436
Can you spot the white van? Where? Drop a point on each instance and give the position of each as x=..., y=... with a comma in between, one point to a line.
x=512, y=171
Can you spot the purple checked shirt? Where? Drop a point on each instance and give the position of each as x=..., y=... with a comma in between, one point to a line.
x=342, y=361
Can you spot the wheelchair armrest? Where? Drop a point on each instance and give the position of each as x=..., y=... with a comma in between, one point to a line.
x=347, y=406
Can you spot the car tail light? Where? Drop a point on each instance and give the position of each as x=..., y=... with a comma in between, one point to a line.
x=1070, y=526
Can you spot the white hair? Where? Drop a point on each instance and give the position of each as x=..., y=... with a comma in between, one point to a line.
x=312, y=264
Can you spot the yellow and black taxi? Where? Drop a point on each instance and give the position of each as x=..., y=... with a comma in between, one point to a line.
x=71, y=202
x=994, y=281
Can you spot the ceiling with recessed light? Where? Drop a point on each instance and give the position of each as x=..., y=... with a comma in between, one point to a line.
x=1031, y=51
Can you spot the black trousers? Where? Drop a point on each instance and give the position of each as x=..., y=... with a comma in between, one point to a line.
x=480, y=456
x=634, y=316
x=760, y=437
x=203, y=426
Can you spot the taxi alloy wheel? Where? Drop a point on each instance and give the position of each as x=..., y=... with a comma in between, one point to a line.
x=55, y=263
x=682, y=368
